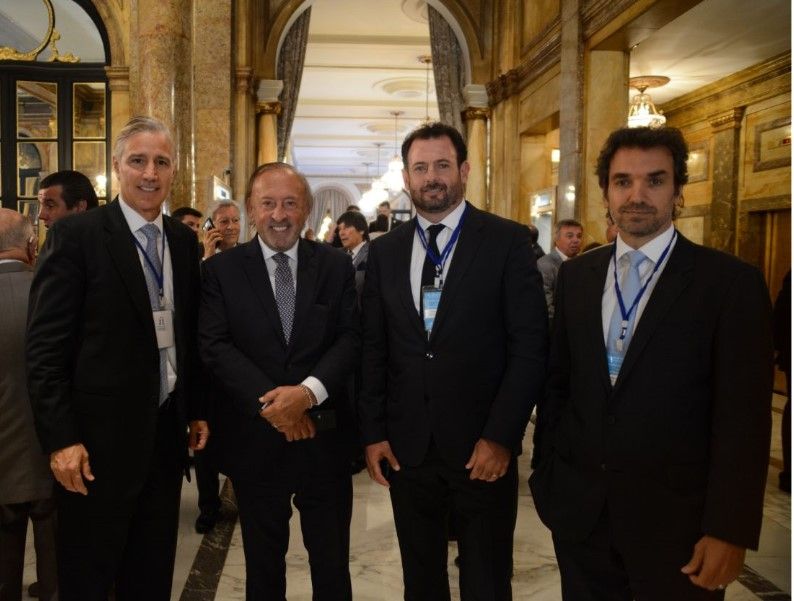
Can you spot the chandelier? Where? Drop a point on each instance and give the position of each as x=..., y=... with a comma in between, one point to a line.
x=642, y=111
x=393, y=178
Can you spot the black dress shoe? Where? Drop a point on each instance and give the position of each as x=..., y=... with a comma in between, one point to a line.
x=206, y=522
x=33, y=590
x=784, y=482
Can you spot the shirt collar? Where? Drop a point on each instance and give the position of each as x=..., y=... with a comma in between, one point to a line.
x=451, y=221
x=358, y=247
x=562, y=255
x=268, y=252
x=134, y=219
x=652, y=249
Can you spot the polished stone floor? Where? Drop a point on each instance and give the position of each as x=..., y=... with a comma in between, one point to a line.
x=212, y=567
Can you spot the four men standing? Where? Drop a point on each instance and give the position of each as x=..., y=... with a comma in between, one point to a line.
x=650, y=419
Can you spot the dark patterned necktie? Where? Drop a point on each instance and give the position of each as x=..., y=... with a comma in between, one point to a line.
x=429, y=268
x=285, y=293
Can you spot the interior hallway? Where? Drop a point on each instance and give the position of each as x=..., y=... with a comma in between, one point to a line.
x=212, y=567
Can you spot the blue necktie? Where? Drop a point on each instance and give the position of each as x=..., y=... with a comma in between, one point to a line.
x=285, y=293
x=629, y=287
x=152, y=233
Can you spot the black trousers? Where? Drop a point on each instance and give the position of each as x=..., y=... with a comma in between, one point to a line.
x=485, y=517
x=208, y=481
x=607, y=567
x=13, y=530
x=325, y=502
x=126, y=541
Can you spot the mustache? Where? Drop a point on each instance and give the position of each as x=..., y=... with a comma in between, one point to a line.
x=638, y=207
x=434, y=187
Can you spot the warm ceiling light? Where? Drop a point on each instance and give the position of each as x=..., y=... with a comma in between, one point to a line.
x=642, y=111
x=555, y=155
x=393, y=178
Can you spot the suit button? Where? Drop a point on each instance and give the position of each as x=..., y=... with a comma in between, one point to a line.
x=428, y=355
x=603, y=467
x=611, y=420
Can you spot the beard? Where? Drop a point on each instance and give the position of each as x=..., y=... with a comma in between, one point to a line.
x=437, y=197
x=640, y=219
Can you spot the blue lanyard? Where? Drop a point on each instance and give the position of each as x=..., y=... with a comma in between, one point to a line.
x=159, y=278
x=439, y=262
x=625, y=315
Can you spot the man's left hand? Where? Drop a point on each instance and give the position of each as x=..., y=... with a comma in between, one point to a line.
x=199, y=433
x=284, y=406
x=489, y=461
x=715, y=563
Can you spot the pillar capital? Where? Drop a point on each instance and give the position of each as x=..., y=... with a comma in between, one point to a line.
x=268, y=108
x=118, y=78
x=473, y=113
x=731, y=119
x=244, y=79
x=269, y=90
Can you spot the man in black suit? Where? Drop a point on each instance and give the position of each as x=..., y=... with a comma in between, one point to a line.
x=112, y=363
x=454, y=356
x=653, y=436
x=278, y=333
x=385, y=221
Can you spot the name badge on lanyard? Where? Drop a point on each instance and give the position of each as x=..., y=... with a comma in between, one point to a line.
x=163, y=317
x=431, y=295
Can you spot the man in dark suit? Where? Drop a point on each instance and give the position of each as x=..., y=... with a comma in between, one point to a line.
x=112, y=364
x=385, y=221
x=653, y=437
x=454, y=356
x=278, y=333
x=26, y=483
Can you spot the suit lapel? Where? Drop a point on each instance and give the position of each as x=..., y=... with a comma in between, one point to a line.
x=465, y=250
x=306, y=288
x=592, y=297
x=677, y=275
x=124, y=255
x=256, y=271
x=403, y=272
x=180, y=269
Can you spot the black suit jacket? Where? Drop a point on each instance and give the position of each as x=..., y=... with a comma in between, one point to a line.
x=93, y=361
x=243, y=346
x=479, y=374
x=679, y=446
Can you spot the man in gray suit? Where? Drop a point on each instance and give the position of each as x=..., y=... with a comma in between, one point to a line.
x=26, y=484
x=567, y=244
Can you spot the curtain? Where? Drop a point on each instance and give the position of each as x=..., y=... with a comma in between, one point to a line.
x=327, y=199
x=448, y=71
x=290, y=71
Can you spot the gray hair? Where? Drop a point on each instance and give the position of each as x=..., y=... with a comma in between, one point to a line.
x=16, y=230
x=217, y=205
x=139, y=125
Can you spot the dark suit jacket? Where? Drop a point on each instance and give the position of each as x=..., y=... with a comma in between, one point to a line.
x=480, y=373
x=24, y=469
x=93, y=362
x=243, y=346
x=679, y=447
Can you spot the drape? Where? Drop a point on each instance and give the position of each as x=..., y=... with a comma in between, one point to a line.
x=290, y=71
x=448, y=70
x=325, y=200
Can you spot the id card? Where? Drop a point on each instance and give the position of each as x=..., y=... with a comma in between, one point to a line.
x=614, y=363
x=164, y=328
x=431, y=297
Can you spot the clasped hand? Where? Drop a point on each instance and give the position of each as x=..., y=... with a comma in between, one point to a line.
x=285, y=408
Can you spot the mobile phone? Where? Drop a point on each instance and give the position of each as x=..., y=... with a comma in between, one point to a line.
x=208, y=225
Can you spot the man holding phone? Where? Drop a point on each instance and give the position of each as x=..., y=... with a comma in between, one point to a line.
x=222, y=227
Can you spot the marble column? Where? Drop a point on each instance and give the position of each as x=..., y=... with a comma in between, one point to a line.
x=571, y=103
x=119, y=85
x=268, y=108
x=606, y=83
x=475, y=116
x=243, y=152
x=725, y=128
x=163, y=82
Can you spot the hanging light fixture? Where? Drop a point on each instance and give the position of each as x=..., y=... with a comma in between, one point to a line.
x=377, y=192
x=427, y=60
x=642, y=111
x=393, y=178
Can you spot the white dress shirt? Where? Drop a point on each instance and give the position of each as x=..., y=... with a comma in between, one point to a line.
x=563, y=256
x=354, y=252
x=653, y=251
x=312, y=383
x=450, y=222
x=135, y=222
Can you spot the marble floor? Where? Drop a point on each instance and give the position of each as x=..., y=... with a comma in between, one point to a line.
x=212, y=567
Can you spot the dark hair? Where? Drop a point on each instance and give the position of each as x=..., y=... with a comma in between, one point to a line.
x=352, y=208
x=356, y=220
x=644, y=137
x=278, y=166
x=566, y=223
x=435, y=130
x=533, y=233
x=386, y=204
x=183, y=212
x=76, y=187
